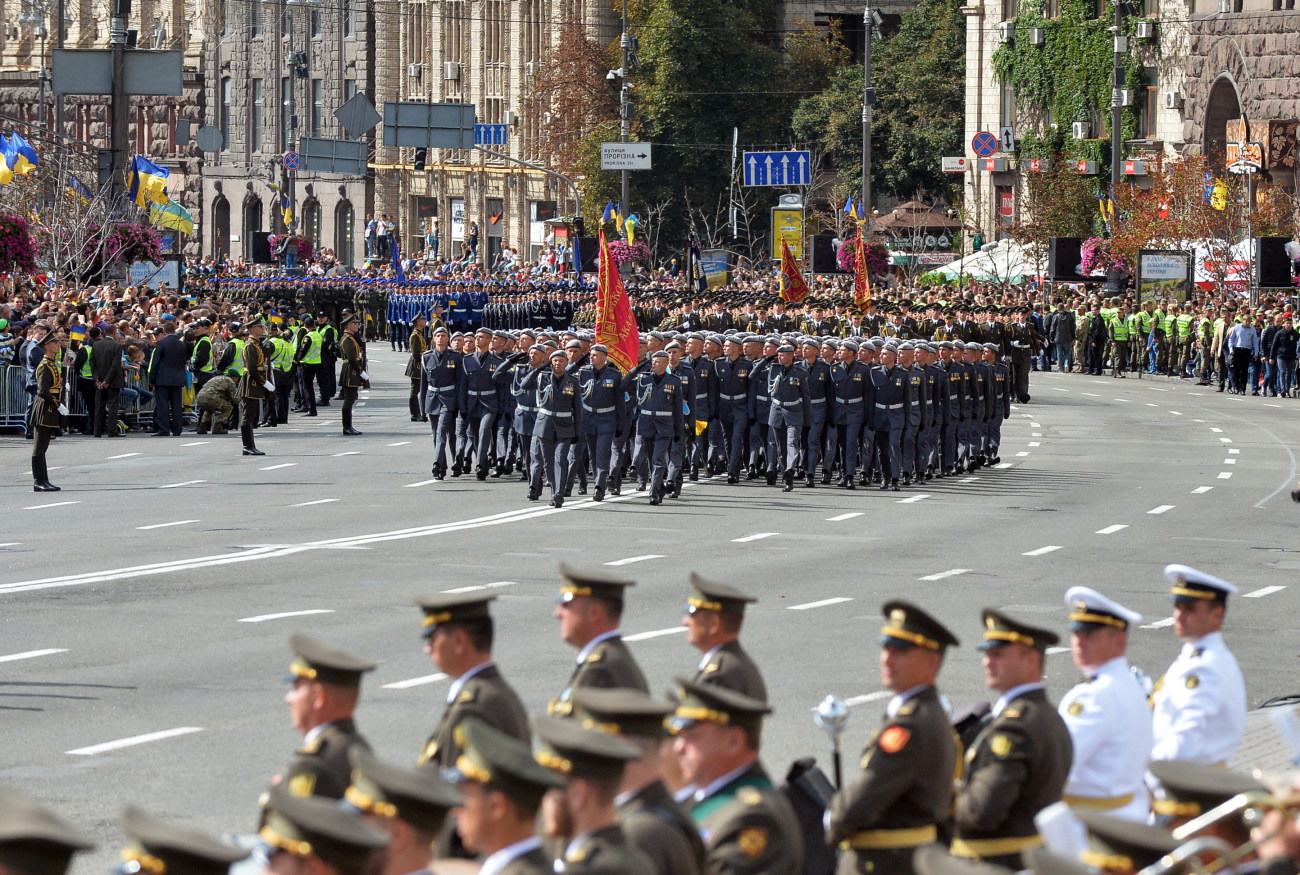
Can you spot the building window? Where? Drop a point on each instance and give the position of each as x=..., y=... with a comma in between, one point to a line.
x=349, y=89
x=1007, y=106
x=317, y=106
x=286, y=111
x=1151, y=102
x=142, y=130
x=256, y=23
x=1151, y=8
x=226, y=86
x=315, y=20
x=1009, y=9
x=349, y=18
x=1051, y=9
x=255, y=120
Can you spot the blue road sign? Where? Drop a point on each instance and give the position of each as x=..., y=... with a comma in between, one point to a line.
x=491, y=135
x=984, y=144
x=290, y=160
x=778, y=168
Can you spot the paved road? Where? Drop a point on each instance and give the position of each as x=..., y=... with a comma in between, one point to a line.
x=149, y=602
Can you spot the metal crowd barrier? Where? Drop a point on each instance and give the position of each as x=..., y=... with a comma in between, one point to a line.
x=13, y=398
x=136, y=415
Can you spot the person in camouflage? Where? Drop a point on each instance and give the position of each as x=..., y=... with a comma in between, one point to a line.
x=215, y=402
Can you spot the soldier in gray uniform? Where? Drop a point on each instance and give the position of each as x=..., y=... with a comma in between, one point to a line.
x=659, y=421
x=714, y=615
x=602, y=413
x=558, y=424
x=479, y=408
x=443, y=375
x=679, y=452
x=760, y=405
x=940, y=406
x=821, y=395
x=915, y=413
x=513, y=373
x=956, y=380
x=733, y=376
x=789, y=407
x=854, y=394
x=589, y=610
x=1000, y=400
x=891, y=384
x=705, y=404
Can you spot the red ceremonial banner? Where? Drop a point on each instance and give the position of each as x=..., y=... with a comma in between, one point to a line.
x=615, y=324
x=793, y=287
x=861, y=276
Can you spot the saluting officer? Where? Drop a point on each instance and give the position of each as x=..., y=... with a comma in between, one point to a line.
x=458, y=634
x=326, y=687
x=589, y=609
x=714, y=615
x=602, y=413
x=894, y=805
x=1019, y=762
x=659, y=421
x=1200, y=703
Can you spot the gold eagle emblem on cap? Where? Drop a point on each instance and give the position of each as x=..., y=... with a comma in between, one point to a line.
x=898, y=616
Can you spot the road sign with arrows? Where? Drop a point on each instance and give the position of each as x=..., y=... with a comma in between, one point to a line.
x=778, y=168
x=625, y=156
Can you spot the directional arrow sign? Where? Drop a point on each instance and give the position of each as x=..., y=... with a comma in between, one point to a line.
x=625, y=156
x=778, y=168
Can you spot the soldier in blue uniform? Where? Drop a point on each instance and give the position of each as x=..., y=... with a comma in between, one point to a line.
x=677, y=454
x=760, y=404
x=558, y=424
x=1000, y=401
x=602, y=413
x=789, y=408
x=821, y=391
x=853, y=394
x=983, y=381
x=916, y=412
x=511, y=374
x=705, y=403
x=733, y=375
x=442, y=375
x=971, y=402
x=657, y=396
x=892, y=385
x=936, y=380
x=480, y=406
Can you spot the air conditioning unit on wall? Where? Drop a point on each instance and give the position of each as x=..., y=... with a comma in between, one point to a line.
x=1173, y=100
x=1081, y=130
x=451, y=71
x=1006, y=30
x=1145, y=30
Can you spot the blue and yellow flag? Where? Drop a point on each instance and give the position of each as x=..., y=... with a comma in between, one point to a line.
x=77, y=332
x=276, y=318
x=8, y=158
x=148, y=182
x=630, y=226
x=78, y=190
x=849, y=208
x=609, y=212
x=27, y=159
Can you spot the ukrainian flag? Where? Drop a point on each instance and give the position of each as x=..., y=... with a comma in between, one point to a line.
x=78, y=189
x=148, y=182
x=27, y=159
x=8, y=160
x=77, y=332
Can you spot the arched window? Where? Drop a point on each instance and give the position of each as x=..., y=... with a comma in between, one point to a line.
x=344, y=234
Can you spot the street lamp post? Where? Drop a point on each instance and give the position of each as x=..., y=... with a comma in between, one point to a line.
x=870, y=20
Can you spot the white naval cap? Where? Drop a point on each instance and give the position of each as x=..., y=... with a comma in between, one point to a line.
x=1188, y=583
x=1090, y=609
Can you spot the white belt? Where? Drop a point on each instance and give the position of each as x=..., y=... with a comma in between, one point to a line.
x=732, y=397
x=889, y=406
x=657, y=412
x=819, y=401
x=483, y=392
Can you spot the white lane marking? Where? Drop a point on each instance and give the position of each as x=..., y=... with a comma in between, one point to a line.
x=968, y=480
x=821, y=604
x=1233, y=451
x=1002, y=465
x=1022, y=455
x=657, y=633
x=915, y=498
x=1125, y=400
x=310, y=503
x=1042, y=550
x=1036, y=434
x=165, y=525
x=1266, y=404
x=869, y=697
x=32, y=654
x=1216, y=430
x=132, y=741
x=479, y=586
x=182, y=483
x=1110, y=530
x=400, y=444
x=55, y=504
x=1202, y=421
x=196, y=443
x=262, y=618
x=1225, y=475
x=416, y=682
x=1149, y=404
x=1201, y=490
x=361, y=404
x=348, y=453
x=844, y=516
x=757, y=537
x=952, y=572
x=1100, y=382
x=1230, y=461
x=278, y=467
x=1159, y=624
x=11, y=544
x=125, y=455
x=1035, y=443
x=1156, y=389
x=1052, y=651
x=421, y=483
x=1059, y=389
x=1091, y=394
x=1260, y=593
x=631, y=559
x=1225, y=440
x=1161, y=509
x=1034, y=425
x=1175, y=413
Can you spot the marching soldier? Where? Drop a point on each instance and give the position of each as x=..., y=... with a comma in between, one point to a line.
x=354, y=374
x=458, y=634
x=904, y=790
x=156, y=846
x=1200, y=703
x=320, y=834
x=854, y=393
x=592, y=764
x=589, y=610
x=733, y=377
x=890, y=386
x=602, y=413
x=714, y=614
x=1107, y=714
x=747, y=825
x=479, y=408
x=557, y=426
x=657, y=395
x=326, y=687
x=442, y=376
x=649, y=816
x=1018, y=764
x=34, y=841
x=790, y=406
x=1123, y=847
x=415, y=367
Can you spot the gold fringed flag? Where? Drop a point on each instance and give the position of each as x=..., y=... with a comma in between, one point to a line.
x=615, y=324
x=861, y=276
x=793, y=287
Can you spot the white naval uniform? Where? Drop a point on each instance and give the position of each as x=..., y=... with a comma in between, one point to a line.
x=1110, y=724
x=1200, y=705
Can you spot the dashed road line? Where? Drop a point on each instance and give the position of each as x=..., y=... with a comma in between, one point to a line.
x=317, y=501
x=1201, y=490
x=1035, y=443
x=1225, y=440
x=1110, y=530
x=32, y=654
x=11, y=544
x=657, y=633
x=348, y=453
x=915, y=498
x=845, y=516
x=1022, y=454
x=952, y=572
x=1216, y=430
x=1175, y=413
x=165, y=525
x=1042, y=550
x=1260, y=593
x=1225, y=475
x=821, y=604
x=421, y=483
x=54, y=504
x=278, y=467
x=416, y=682
x=1034, y=425
x=1233, y=451
x=399, y=444
x=182, y=483
x=758, y=537
x=262, y=618
x=1125, y=400
x=968, y=480
x=132, y=741
x=1002, y=465
x=479, y=586
x=125, y=455
x=1091, y=394
x=1229, y=461
x=1149, y=404
x=196, y=443
x=632, y=559
x=1161, y=509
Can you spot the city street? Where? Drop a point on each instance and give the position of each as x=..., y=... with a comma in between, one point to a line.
x=144, y=610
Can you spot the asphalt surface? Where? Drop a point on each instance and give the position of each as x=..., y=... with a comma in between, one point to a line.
x=143, y=653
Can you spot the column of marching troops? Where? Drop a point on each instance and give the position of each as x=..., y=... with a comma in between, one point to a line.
x=614, y=780
x=554, y=407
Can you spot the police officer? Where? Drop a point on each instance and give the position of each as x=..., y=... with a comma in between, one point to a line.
x=326, y=687
x=657, y=396
x=602, y=413
x=34, y=841
x=1199, y=706
x=894, y=805
x=1019, y=762
x=442, y=376
x=592, y=764
x=790, y=404
x=1107, y=714
x=589, y=609
x=418, y=346
x=458, y=635
x=747, y=825
x=714, y=614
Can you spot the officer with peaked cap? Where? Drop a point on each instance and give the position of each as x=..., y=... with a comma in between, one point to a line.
x=317, y=833
x=747, y=825
x=326, y=687
x=458, y=635
x=591, y=763
x=1018, y=764
x=501, y=786
x=1107, y=713
x=1123, y=847
x=159, y=848
x=1199, y=706
x=589, y=608
x=714, y=615
x=34, y=841
x=650, y=818
x=894, y=805
x=1192, y=789
x=410, y=805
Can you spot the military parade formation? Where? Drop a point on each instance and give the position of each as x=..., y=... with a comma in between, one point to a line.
x=613, y=779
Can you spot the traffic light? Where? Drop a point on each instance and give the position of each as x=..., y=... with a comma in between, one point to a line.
x=421, y=159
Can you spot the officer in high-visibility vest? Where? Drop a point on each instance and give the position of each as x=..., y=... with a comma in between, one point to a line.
x=309, y=355
x=1119, y=338
x=232, y=359
x=277, y=409
x=203, y=364
x=1164, y=339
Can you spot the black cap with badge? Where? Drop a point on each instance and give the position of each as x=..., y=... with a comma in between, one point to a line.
x=1001, y=630
x=596, y=584
x=320, y=662
x=709, y=596
x=909, y=626
x=441, y=609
